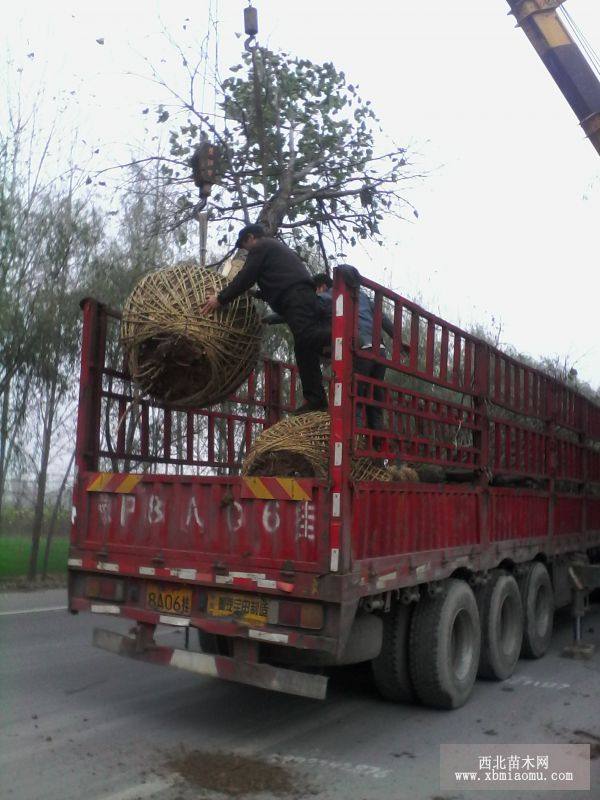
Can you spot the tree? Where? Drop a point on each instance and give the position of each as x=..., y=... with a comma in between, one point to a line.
x=23, y=188
x=73, y=234
x=298, y=152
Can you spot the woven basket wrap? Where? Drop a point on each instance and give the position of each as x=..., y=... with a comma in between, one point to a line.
x=179, y=356
x=299, y=447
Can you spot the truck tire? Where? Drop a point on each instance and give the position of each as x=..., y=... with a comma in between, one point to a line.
x=444, y=646
x=538, y=610
x=501, y=616
x=390, y=669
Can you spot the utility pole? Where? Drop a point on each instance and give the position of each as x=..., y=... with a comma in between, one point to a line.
x=203, y=231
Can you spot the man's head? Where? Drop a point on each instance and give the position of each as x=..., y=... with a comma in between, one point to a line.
x=322, y=282
x=250, y=236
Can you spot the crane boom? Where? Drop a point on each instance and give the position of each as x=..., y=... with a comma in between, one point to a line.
x=564, y=60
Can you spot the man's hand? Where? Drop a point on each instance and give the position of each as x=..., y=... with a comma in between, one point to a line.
x=210, y=306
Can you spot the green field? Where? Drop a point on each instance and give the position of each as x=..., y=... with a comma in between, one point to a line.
x=14, y=556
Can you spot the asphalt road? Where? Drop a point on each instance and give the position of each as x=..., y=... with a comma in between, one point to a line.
x=76, y=722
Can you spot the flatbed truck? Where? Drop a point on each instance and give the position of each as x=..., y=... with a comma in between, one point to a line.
x=434, y=582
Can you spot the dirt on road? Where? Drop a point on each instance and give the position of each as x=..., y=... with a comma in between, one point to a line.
x=236, y=775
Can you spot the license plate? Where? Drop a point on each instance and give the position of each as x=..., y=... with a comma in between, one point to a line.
x=169, y=600
x=243, y=607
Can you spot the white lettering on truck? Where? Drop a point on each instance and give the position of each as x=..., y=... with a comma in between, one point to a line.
x=305, y=521
x=127, y=508
x=104, y=510
x=235, y=516
x=155, y=509
x=270, y=518
x=193, y=514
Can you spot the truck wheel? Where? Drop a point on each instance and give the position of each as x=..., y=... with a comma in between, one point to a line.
x=501, y=616
x=538, y=610
x=444, y=645
x=390, y=668
x=213, y=645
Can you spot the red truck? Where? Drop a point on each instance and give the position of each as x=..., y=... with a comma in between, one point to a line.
x=432, y=582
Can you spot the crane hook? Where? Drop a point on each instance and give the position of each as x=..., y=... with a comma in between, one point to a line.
x=250, y=27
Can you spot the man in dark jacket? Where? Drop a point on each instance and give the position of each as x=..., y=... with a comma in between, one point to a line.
x=287, y=286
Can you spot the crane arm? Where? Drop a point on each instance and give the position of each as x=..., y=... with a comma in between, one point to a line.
x=564, y=60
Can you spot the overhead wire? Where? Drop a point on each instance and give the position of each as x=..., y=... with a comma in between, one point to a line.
x=204, y=57
x=587, y=48
x=216, y=68
x=590, y=49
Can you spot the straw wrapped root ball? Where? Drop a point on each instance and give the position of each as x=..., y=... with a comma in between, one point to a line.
x=298, y=447
x=294, y=447
x=176, y=354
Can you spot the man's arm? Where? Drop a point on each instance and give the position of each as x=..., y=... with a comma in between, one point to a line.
x=245, y=278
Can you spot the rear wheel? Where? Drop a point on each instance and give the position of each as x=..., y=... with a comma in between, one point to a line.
x=390, y=668
x=538, y=610
x=444, y=645
x=501, y=616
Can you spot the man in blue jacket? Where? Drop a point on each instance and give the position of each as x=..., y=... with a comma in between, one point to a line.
x=363, y=366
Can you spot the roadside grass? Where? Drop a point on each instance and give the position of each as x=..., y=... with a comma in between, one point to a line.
x=15, y=550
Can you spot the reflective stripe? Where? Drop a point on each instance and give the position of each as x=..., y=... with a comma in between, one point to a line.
x=338, y=349
x=335, y=559
x=194, y=662
x=336, y=504
x=280, y=638
x=182, y=622
x=182, y=572
x=105, y=609
x=107, y=566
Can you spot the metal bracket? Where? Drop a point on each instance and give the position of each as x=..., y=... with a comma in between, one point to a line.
x=436, y=588
x=584, y=578
x=522, y=9
x=410, y=595
x=144, y=636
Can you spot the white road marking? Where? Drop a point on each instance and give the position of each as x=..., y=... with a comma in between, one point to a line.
x=365, y=770
x=524, y=680
x=141, y=790
x=33, y=610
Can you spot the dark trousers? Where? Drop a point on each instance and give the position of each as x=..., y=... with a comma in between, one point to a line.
x=371, y=369
x=312, y=333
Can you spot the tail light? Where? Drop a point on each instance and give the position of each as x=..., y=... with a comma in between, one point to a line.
x=100, y=588
x=296, y=615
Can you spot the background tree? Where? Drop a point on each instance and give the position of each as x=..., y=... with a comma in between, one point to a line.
x=24, y=187
x=72, y=235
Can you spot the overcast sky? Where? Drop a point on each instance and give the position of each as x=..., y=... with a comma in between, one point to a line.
x=510, y=211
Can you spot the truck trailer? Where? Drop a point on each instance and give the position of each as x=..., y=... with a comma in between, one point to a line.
x=434, y=581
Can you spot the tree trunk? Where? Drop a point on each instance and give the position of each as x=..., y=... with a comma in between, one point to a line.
x=38, y=518
x=55, y=511
x=3, y=446
x=8, y=434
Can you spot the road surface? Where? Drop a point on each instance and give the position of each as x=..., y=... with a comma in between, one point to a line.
x=80, y=724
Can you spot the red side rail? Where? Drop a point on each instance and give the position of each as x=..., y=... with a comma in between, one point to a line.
x=525, y=446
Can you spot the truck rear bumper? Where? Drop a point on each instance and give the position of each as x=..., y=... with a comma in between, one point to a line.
x=264, y=676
